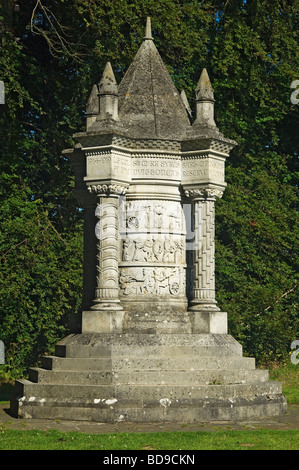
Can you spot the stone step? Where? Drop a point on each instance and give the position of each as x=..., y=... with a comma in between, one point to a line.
x=142, y=393
x=144, y=377
x=76, y=363
x=145, y=345
x=154, y=409
x=147, y=363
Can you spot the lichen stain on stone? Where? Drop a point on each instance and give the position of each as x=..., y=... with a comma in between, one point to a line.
x=165, y=402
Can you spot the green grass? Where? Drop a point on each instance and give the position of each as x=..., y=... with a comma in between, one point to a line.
x=288, y=375
x=219, y=439
x=202, y=440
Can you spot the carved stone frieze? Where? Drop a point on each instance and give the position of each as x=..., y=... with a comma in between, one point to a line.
x=152, y=215
x=154, y=250
x=151, y=281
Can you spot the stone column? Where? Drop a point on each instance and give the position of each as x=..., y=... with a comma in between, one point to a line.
x=106, y=313
x=107, y=254
x=206, y=316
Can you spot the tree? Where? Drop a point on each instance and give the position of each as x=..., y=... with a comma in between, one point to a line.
x=41, y=230
x=257, y=219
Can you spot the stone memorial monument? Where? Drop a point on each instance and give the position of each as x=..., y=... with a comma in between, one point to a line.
x=151, y=343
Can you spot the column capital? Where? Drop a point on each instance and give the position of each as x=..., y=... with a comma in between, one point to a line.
x=108, y=189
x=204, y=193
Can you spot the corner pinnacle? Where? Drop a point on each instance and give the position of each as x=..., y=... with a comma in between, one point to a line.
x=204, y=90
x=108, y=85
x=92, y=106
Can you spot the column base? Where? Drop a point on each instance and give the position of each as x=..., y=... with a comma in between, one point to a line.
x=204, y=306
x=210, y=321
x=106, y=305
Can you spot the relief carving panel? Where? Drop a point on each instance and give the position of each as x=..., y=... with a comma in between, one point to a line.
x=151, y=217
x=152, y=254
x=154, y=250
x=136, y=281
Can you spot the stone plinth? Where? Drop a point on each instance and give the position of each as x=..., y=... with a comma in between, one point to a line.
x=148, y=378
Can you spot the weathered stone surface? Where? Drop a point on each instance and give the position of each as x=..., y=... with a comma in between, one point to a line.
x=155, y=403
x=148, y=345
x=149, y=104
x=188, y=377
x=144, y=378
x=148, y=377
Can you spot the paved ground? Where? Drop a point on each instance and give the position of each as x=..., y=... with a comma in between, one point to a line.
x=288, y=421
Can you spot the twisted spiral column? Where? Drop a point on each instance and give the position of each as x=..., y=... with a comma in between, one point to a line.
x=203, y=293
x=107, y=273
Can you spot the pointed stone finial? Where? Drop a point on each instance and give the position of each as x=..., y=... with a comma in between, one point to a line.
x=108, y=93
x=108, y=85
x=148, y=29
x=204, y=97
x=204, y=88
x=93, y=106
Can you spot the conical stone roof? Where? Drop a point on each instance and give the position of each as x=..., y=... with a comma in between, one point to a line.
x=150, y=106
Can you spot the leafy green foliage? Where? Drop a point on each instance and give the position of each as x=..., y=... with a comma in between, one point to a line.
x=256, y=261
x=51, y=53
x=40, y=280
